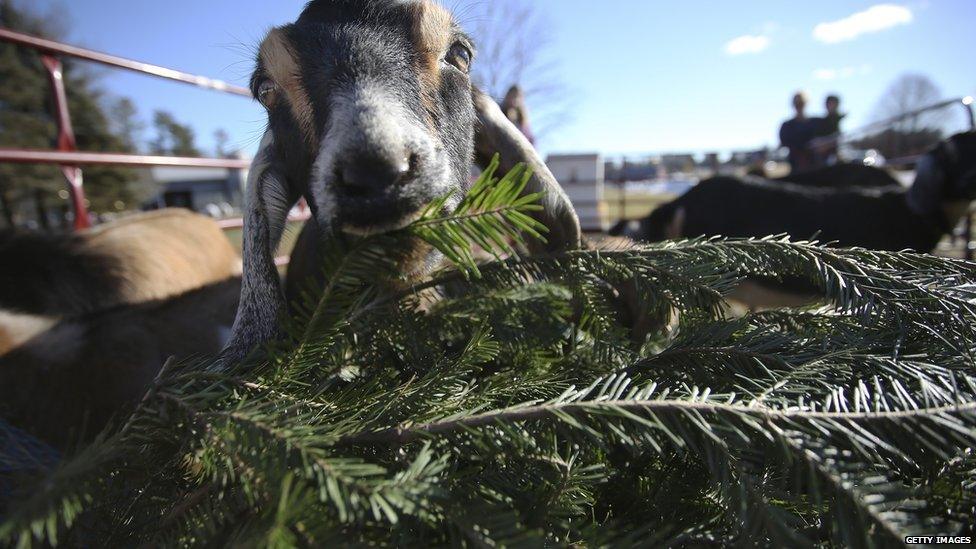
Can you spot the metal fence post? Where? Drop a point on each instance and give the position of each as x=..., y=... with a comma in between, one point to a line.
x=967, y=103
x=66, y=140
x=622, y=198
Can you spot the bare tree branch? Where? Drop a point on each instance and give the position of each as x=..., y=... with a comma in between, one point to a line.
x=515, y=46
x=907, y=93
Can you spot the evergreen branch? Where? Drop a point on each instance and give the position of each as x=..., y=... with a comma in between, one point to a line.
x=390, y=416
x=576, y=402
x=492, y=215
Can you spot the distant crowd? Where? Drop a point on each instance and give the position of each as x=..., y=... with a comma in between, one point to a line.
x=812, y=141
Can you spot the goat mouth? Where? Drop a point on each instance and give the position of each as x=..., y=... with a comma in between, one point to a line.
x=377, y=215
x=389, y=227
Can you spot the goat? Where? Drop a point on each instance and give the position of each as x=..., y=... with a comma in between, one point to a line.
x=87, y=320
x=144, y=257
x=371, y=116
x=843, y=175
x=838, y=176
x=64, y=380
x=889, y=218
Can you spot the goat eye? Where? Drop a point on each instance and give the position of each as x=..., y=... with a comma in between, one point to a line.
x=460, y=56
x=266, y=92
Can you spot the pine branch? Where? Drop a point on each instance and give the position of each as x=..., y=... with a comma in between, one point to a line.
x=442, y=410
x=492, y=215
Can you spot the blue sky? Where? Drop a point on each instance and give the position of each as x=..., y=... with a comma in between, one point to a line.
x=646, y=76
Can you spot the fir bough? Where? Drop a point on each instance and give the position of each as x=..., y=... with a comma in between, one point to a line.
x=504, y=404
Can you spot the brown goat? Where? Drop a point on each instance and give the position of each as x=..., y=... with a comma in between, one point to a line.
x=66, y=382
x=144, y=257
x=87, y=320
x=186, y=251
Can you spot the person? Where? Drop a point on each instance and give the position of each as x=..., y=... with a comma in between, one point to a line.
x=830, y=123
x=827, y=132
x=514, y=108
x=796, y=134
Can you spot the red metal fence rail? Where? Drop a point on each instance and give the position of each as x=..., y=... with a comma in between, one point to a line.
x=75, y=158
x=50, y=47
x=67, y=156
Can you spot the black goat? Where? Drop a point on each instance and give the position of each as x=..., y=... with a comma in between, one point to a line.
x=890, y=218
x=841, y=176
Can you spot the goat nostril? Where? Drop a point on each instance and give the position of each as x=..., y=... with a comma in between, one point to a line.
x=406, y=169
x=413, y=165
x=367, y=174
x=403, y=167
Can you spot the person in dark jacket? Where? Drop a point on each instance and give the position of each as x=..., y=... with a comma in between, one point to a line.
x=830, y=123
x=796, y=134
x=827, y=132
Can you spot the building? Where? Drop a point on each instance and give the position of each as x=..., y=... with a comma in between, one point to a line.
x=205, y=190
x=678, y=163
x=582, y=177
x=712, y=162
x=629, y=170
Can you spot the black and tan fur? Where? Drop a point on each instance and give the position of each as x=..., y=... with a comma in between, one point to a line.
x=152, y=257
x=371, y=115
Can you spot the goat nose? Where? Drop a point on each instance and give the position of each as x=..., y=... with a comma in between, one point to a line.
x=365, y=174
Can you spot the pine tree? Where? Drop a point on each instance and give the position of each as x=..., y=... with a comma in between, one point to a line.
x=172, y=138
x=124, y=118
x=26, y=121
x=24, y=118
x=504, y=404
x=222, y=144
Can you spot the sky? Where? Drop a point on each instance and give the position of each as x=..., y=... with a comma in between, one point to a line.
x=645, y=76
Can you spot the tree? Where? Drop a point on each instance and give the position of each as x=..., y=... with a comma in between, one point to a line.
x=909, y=92
x=24, y=114
x=515, y=46
x=26, y=120
x=903, y=134
x=172, y=137
x=124, y=117
x=221, y=144
x=517, y=410
x=107, y=188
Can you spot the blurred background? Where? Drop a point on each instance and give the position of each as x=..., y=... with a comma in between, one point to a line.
x=632, y=101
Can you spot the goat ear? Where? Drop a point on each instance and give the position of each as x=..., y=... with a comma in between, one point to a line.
x=268, y=200
x=496, y=134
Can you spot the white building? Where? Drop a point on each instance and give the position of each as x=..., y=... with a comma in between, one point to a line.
x=582, y=176
x=197, y=189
